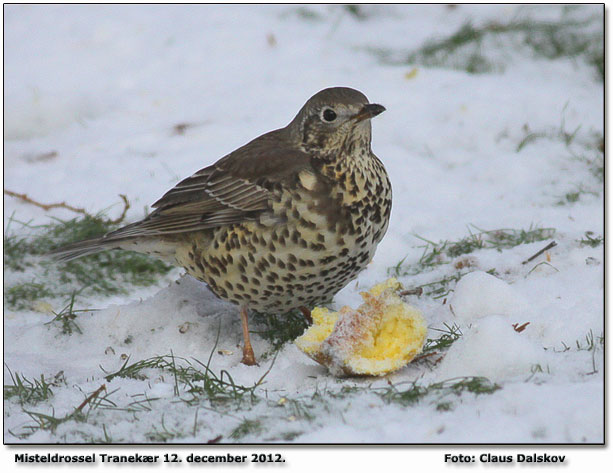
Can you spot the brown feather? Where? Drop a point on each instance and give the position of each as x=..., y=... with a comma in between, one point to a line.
x=238, y=188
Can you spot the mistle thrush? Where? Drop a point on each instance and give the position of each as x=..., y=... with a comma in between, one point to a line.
x=283, y=222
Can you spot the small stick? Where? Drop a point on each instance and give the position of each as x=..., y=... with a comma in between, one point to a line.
x=520, y=328
x=91, y=397
x=64, y=205
x=29, y=200
x=424, y=356
x=541, y=263
x=126, y=206
x=538, y=253
x=418, y=291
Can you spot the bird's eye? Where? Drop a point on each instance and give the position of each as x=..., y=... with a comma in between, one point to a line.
x=329, y=115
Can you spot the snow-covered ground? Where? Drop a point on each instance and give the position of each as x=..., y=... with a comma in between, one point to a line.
x=93, y=95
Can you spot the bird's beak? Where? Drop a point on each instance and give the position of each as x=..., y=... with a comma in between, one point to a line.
x=368, y=111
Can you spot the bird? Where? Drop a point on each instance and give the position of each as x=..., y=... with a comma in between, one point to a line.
x=282, y=223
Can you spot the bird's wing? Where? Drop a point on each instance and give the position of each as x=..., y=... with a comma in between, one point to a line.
x=236, y=189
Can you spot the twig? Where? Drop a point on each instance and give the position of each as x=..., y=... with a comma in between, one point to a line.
x=538, y=253
x=91, y=397
x=418, y=291
x=267, y=371
x=63, y=205
x=541, y=263
x=126, y=206
x=424, y=356
x=520, y=328
x=29, y=200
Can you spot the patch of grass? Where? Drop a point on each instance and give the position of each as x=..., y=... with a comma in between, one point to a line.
x=27, y=391
x=444, y=406
x=594, y=160
x=65, y=318
x=592, y=345
x=468, y=48
x=535, y=371
x=445, y=52
x=567, y=39
x=109, y=273
x=553, y=134
x=163, y=434
x=442, y=287
x=50, y=422
x=443, y=252
x=596, y=166
x=480, y=49
x=141, y=403
x=304, y=13
x=105, y=439
x=63, y=232
x=247, y=427
x=450, y=334
x=296, y=409
x=455, y=386
x=291, y=435
x=14, y=253
x=356, y=11
x=575, y=196
x=436, y=254
x=591, y=239
x=510, y=238
x=595, y=141
x=595, y=58
x=279, y=329
x=106, y=273
x=572, y=196
x=22, y=295
x=344, y=392
x=591, y=342
x=537, y=368
x=44, y=238
x=587, y=149
x=195, y=380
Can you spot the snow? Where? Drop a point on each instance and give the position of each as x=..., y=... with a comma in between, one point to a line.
x=103, y=87
x=479, y=294
x=491, y=348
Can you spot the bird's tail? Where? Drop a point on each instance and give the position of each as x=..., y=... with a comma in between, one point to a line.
x=109, y=241
x=82, y=248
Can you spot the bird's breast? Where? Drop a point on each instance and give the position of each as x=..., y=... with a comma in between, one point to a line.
x=324, y=232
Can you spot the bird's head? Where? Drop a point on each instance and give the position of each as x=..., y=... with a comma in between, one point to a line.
x=334, y=120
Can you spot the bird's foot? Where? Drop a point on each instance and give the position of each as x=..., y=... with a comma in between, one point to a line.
x=248, y=357
x=307, y=314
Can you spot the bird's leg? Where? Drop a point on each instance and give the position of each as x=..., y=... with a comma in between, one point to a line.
x=248, y=355
x=307, y=314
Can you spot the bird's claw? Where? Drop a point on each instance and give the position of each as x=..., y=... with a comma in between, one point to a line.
x=248, y=357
